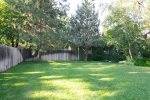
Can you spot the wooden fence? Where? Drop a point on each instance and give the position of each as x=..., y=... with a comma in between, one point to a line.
x=10, y=56
x=61, y=55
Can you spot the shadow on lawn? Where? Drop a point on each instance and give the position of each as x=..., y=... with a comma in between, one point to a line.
x=73, y=80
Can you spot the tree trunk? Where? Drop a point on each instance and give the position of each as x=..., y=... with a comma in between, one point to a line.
x=39, y=55
x=78, y=53
x=40, y=28
x=12, y=42
x=85, y=53
x=130, y=53
x=17, y=41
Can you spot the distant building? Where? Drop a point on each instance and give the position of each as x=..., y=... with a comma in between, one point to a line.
x=146, y=34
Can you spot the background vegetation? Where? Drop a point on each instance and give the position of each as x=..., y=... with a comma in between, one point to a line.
x=41, y=25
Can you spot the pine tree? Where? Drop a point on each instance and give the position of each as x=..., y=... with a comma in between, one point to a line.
x=84, y=27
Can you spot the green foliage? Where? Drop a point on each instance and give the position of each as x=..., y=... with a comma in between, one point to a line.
x=106, y=54
x=142, y=62
x=43, y=25
x=124, y=26
x=36, y=24
x=123, y=32
x=145, y=48
x=10, y=24
x=45, y=20
x=84, y=27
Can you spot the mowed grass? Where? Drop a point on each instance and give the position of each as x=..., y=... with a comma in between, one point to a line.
x=75, y=81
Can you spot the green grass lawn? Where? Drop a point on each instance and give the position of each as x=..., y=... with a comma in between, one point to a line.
x=75, y=81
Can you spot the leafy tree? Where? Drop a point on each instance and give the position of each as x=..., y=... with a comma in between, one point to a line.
x=44, y=20
x=10, y=25
x=122, y=31
x=84, y=27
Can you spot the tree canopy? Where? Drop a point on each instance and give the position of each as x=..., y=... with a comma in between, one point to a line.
x=124, y=27
x=85, y=27
x=44, y=25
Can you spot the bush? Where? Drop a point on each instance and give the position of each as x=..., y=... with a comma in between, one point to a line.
x=142, y=62
x=105, y=54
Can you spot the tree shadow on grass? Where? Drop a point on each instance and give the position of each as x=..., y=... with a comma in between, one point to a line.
x=73, y=80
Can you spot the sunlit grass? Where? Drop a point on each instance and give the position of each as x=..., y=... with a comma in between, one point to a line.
x=75, y=81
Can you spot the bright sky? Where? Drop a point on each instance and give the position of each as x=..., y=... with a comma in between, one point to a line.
x=75, y=3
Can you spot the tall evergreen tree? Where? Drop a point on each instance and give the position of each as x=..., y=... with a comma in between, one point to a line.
x=84, y=27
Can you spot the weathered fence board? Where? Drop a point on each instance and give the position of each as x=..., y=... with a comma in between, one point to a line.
x=9, y=57
x=60, y=56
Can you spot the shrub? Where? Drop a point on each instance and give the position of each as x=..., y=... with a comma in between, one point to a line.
x=105, y=54
x=142, y=62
